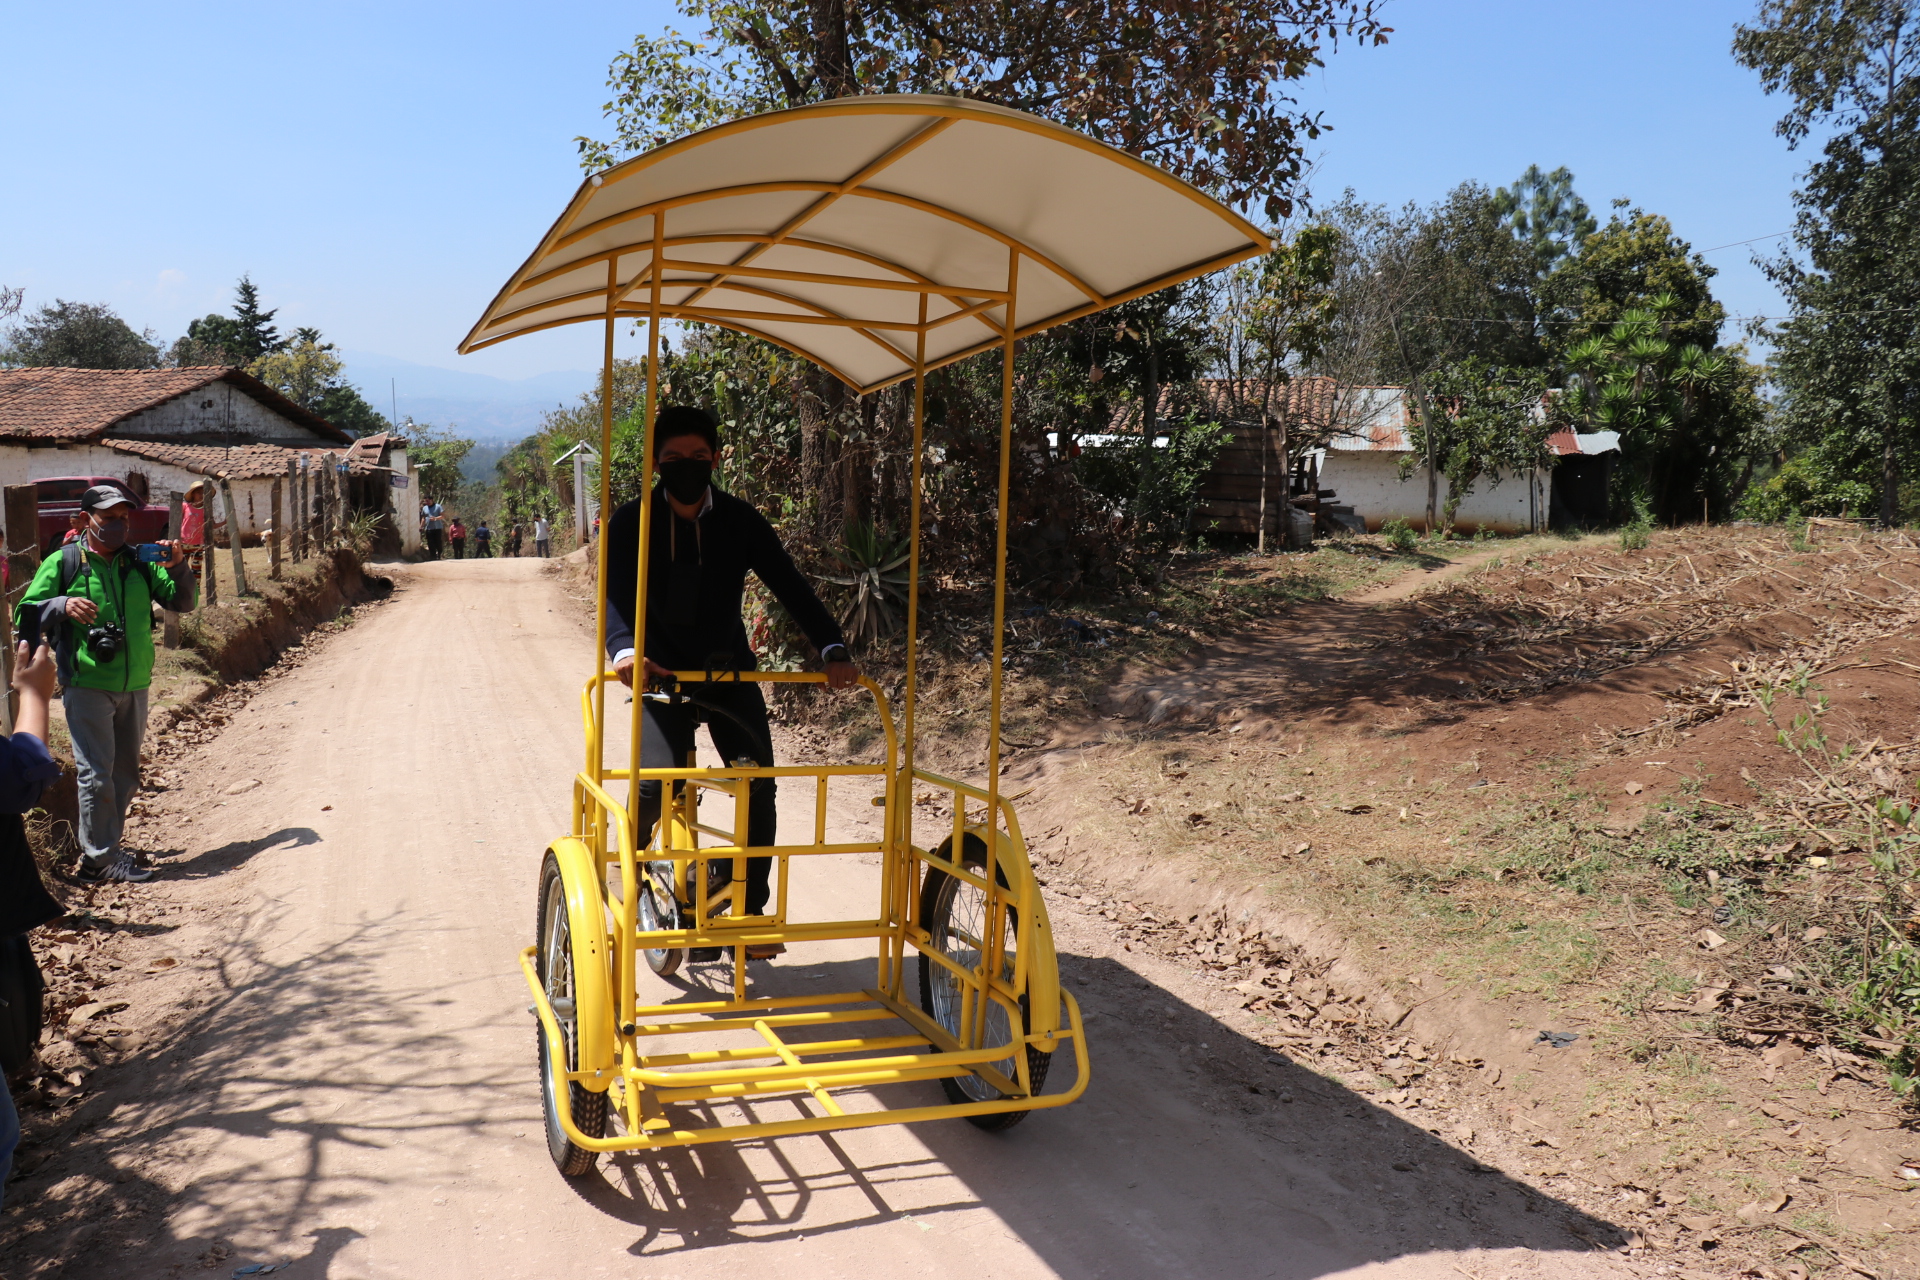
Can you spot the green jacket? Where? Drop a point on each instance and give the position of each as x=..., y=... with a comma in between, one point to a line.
x=124, y=591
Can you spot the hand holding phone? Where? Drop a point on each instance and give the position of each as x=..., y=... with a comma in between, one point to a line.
x=154, y=553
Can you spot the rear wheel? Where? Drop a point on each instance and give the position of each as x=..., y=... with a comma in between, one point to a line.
x=955, y=915
x=554, y=964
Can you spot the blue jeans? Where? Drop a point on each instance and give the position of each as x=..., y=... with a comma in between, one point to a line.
x=9, y=1135
x=107, y=729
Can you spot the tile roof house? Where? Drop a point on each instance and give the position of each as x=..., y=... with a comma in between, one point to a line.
x=162, y=429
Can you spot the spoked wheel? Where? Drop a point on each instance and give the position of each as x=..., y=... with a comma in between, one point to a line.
x=955, y=914
x=587, y=1109
x=658, y=909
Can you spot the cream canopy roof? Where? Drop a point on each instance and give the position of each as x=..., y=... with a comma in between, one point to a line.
x=822, y=228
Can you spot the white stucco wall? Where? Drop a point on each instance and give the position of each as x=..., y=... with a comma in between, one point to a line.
x=406, y=502
x=217, y=412
x=1370, y=483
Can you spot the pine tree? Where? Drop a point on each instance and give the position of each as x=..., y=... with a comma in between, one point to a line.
x=255, y=335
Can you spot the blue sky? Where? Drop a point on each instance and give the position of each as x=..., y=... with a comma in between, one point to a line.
x=380, y=169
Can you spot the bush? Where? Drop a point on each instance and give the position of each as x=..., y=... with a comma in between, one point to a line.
x=1634, y=534
x=1807, y=486
x=1400, y=535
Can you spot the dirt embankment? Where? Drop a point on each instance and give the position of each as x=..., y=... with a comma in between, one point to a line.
x=241, y=640
x=1550, y=797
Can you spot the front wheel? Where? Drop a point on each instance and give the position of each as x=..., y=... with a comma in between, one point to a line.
x=554, y=964
x=954, y=914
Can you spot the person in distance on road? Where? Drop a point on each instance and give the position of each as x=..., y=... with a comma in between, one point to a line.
x=515, y=535
x=433, y=523
x=701, y=547
x=542, y=537
x=457, y=534
x=94, y=604
x=482, y=541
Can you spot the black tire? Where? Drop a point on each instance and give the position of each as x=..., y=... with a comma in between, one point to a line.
x=942, y=897
x=554, y=964
x=657, y=909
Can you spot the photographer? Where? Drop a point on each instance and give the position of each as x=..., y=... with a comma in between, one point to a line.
x=94, y=603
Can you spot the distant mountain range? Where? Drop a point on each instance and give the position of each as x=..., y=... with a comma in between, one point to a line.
x=482, y=406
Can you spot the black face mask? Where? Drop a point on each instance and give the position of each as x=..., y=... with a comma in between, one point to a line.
x=111, y=533
x=686, y=478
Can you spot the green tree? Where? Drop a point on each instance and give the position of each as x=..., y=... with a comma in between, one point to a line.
x=1198, y=88
x=438, y=452
x=1848, y=361
x=1625, y=265
x=1547, y=213
x=301, y=371
x=1484, y=420
x=310, y=373
x=238, y=340
x=79, y=335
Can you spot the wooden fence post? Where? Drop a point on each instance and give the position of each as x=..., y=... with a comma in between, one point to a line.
x=169, y=619
x=322, y=506
x=22, y=517
x=233, y=538
x=210, y=589
x=334, y=524
x=292, y=533
x=279, y=530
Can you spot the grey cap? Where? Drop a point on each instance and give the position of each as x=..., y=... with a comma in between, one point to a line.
x=102, y=496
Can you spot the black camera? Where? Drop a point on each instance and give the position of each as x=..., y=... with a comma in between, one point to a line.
x=104, y=641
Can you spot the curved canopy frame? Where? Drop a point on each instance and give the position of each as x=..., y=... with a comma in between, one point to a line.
x=820, y=229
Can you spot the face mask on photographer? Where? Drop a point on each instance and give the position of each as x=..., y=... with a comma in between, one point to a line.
x=686, y=478
x=110, y=531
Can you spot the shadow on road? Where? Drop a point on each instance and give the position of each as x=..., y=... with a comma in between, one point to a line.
x=228, y=857
x=1195, y=1152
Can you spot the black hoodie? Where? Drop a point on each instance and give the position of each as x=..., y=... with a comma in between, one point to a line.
x=697, y=625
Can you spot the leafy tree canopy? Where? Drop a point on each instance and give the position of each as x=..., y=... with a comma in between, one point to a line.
x=1198, y=88
x=1625, y=265
x=438, y=452
x=1845, y=64
x=80, y=335
x=308, y=372
x=1848, y=361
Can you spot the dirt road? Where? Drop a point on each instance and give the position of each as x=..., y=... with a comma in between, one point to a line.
x=350, y=1081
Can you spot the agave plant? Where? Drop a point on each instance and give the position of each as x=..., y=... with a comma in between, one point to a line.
x=877, y=582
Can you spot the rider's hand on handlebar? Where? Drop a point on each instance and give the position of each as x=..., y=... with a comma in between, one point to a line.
x=624, y=669
x=843, y=675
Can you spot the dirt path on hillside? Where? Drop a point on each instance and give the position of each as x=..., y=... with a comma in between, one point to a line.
x=338, y=1068
x=1412, y=583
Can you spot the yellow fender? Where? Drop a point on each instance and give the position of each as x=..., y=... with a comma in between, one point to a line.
x=592, y=959
x=1043, y=962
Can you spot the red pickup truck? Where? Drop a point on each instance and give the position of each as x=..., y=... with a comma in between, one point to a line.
x=60, y=498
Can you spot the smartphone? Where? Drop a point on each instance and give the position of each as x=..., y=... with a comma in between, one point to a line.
x=152, y=553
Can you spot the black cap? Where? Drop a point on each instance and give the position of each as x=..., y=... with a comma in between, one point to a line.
x=102, y=496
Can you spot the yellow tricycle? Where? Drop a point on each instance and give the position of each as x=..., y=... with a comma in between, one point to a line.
x=879, y=237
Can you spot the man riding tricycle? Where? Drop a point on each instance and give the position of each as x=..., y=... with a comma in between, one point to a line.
x=879, y=237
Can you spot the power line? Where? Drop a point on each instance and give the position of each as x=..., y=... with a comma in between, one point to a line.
x=1737, y=243
x=1873, y=311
